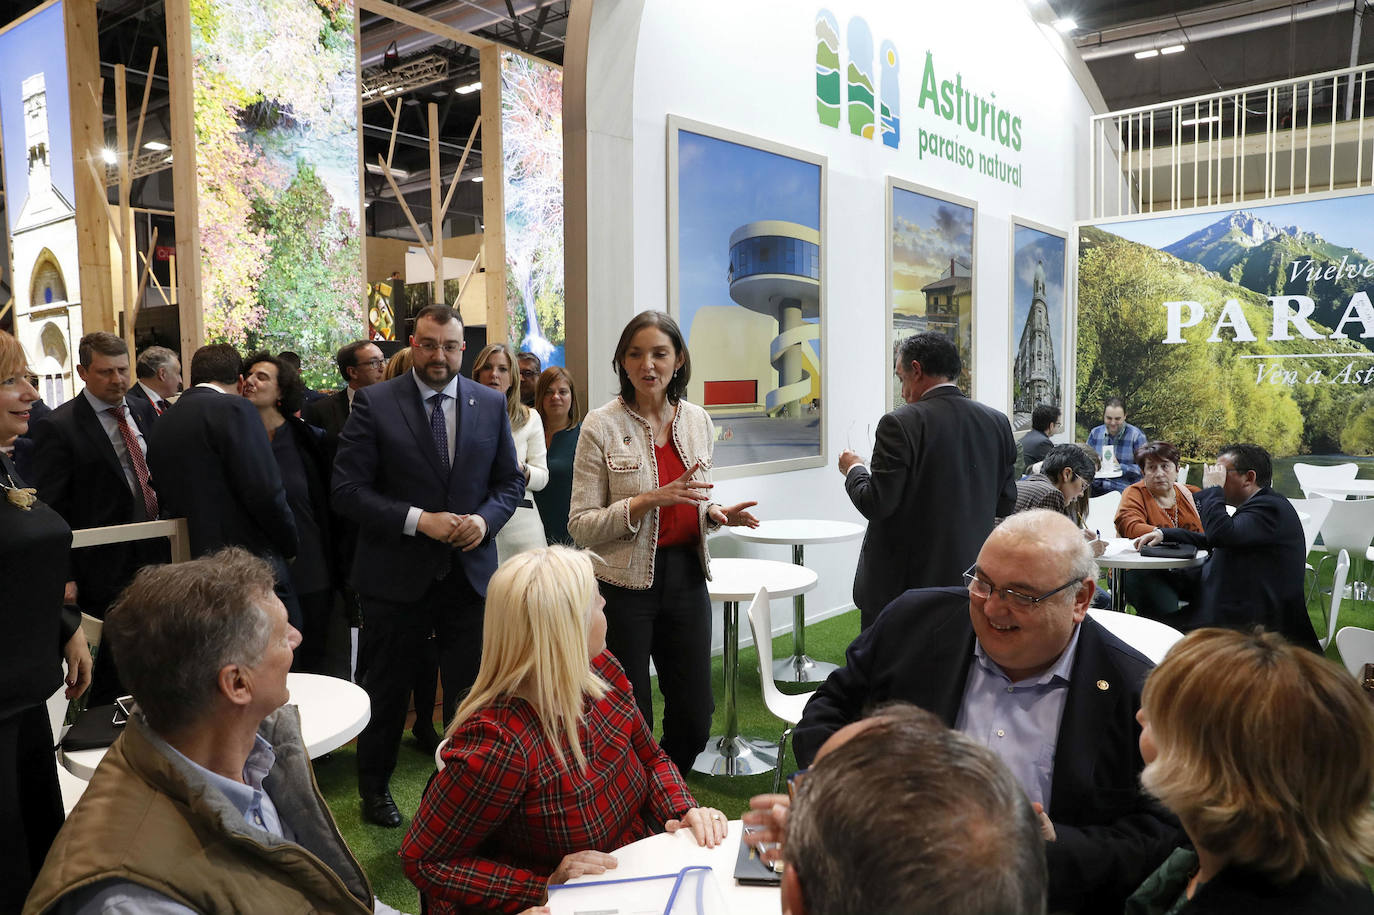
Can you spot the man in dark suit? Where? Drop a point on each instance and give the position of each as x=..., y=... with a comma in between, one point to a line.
x=940, y=456
x=361, y=364
x=89, y=463
x=1013, y=661
x=1256, y=559
x=426, y=467
x=215, y=468
x=159, y=378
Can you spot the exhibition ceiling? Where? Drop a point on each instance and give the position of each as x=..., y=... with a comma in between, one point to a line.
x=1225, y=45
x=398, y=63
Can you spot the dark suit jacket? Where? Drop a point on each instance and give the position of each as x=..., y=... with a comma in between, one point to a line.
x=136, y=392
x=328, y=413
x=1255, y=567
x=943, y=468
x=76, y=471
x=1110, y=834
x=214, y=467
x=387, y=463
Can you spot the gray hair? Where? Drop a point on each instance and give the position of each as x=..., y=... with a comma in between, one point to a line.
x=153, y=359
x=1055, y=534
x=909, y=816
x=176, y=626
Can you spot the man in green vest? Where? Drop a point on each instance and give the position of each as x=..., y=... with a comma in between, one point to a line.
x=181, y=815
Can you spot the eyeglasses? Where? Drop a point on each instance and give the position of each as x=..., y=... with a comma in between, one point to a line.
x=983, y=590
x=528, y=373
x=449, y=348
x=370, y=363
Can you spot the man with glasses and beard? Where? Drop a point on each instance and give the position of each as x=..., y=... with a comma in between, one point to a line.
x=1013, y=661
x=426, y=468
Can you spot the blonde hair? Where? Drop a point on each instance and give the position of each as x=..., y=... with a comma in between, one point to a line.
x=546, y=379
x=1265, y=753
x=12, y=358
x=519, y=413
x=534, y=644
x=398, y=364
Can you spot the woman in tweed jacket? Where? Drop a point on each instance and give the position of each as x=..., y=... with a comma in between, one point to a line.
x=641, y=501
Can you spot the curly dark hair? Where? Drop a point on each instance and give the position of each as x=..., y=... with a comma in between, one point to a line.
x=1156, y=451
x=290, y=389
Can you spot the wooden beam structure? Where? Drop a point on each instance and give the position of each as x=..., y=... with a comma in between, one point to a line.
x=185, y=193
x=493, y=197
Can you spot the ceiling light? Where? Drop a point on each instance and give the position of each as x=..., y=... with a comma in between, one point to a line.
x=1141, y=55
x=376, y=169
x=476, y=179
x=109, y=155
x=468, y=89
x=1065, y=26
x=155, y=146
x=1193, y=122
x=1171, y=49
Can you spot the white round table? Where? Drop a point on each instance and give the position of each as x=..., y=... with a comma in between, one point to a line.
x=732, y=581
x=1131, y=559
x=333, y=712
x=799, y=533
x=667, y=853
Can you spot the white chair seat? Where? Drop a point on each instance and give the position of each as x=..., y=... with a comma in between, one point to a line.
x=1356, y=646
x=1149, y=637
x=788, y=708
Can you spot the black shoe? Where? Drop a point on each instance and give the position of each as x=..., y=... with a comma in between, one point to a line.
x=380, y=810
x=426, y=738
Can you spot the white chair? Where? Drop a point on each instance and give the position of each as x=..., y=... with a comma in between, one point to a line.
x=1349, y=526
x=1312, y=476
x=781, y=705
x=1356, y=646
x=1149, y=637
x=1182, y=473
x=1102, y=513
x=1337, y=593
x=1315, y=511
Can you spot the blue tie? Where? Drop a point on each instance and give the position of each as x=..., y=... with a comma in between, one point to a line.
x=439, y=430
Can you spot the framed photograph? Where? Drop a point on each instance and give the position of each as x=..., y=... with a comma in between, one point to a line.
x=1037, y=319
x=746, y=234
x=930, y=276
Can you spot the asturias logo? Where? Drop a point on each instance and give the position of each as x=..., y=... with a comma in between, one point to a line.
x=867, y=111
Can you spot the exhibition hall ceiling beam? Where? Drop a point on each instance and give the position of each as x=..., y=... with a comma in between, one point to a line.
x=1202, y=25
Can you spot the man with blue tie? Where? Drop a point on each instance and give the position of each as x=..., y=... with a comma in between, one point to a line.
x=426, y=467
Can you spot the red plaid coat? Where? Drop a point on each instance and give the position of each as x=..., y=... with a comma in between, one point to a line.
x=496, y=822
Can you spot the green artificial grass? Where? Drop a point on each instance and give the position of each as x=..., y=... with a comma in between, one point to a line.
x=827, y=640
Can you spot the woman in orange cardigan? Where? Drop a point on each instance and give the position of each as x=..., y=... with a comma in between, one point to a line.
x=1157, y=500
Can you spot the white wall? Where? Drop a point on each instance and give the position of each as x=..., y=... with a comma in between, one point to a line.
x=749, y=67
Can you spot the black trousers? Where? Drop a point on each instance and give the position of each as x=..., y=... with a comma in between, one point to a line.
x=671, y=623
x=390, y=646
x=30, y=802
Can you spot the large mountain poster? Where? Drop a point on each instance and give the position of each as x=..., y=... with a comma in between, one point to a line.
x=1246, y=325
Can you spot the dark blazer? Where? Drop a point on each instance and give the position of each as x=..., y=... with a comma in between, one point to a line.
x=1110, y=834
x=309, y=441
x=1255, y=566
x=943, y=469
x=136, y=392
x=76, y=471
x=387, y=463
x=214, y=467
x=328, y=413
x=1237, y=889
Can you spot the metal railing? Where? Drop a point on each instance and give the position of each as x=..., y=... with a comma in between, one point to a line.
x=1275, y=140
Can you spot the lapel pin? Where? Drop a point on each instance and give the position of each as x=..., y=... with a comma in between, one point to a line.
x=625, y=440
x=1103, y=685
x=472, y=401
